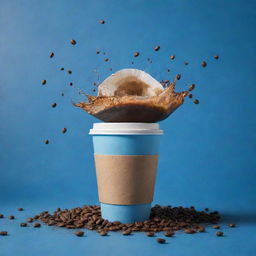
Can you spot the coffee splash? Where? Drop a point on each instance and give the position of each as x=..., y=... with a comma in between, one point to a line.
x=135, y=107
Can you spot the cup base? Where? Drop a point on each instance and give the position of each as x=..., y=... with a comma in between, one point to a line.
x=125, y=213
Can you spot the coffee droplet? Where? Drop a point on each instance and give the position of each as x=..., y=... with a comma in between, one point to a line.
x=216, y=226
x=23, y=224
x=11, y=217
x=232, y=225
x=20, y=209
x=102, y=21
x=1, y=215
x=216, y=57
x=62, y=94
x=70, y=72
x=46, y=142
x=136, y=54
x=54, y=105
x=196, y=101
x=70, y=83
x=73, y=42
x=106, y=60
x=190, y=96
x=51, y=54
x=97, y=52
x=157, y=48
x=172, y=57
x=43, y=82
x=204, y=64
x=61, y=69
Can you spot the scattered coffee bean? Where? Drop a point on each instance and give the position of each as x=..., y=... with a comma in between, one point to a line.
x=157, y=48
x=46, y=142
x=11, y=217
x=216, y=57
x=51, y=54
x=70, y=83
x=190, y=96
x=178, y=76
x=61, y=69
x=36, y=225
x=106, y=60
x=196, y=101
x=186, y=63
x=97, y=52
x=150, y=234
x=64, y=130
x=23, y=224
x=43, y=82
x=203, y=64
x=31, y=219
x=216, y=226
x=189, y=231
x=232, y=225
x=3, y=233
x=136, y=54
x=1, y=215
x=191, y=87
x=201, y=229
x=102, y=21
x=219, y=233
x=20, y=209
x=160, y=240
x=79, y=233
x=172, y=57
x=54, y=105
x=103, y=233
x=73, y=42
x=70, y=72
x=169, y=233
x=126, y=232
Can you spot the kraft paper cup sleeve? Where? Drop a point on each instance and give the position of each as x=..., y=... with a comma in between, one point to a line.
x=126, y=179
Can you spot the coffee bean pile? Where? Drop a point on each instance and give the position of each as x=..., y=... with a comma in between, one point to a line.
x=162, y=218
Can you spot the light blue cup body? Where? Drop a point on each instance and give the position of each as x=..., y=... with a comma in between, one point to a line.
x=135, y=143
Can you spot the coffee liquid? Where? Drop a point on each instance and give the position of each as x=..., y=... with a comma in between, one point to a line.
x=134, y=108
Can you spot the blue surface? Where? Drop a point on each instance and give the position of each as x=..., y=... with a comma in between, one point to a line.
x=207, y=154
x=125, y=213
x=126, y=144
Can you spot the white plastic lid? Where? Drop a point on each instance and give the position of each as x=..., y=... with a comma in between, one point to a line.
x=126, y=128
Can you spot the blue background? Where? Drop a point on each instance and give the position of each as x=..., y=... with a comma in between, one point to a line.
x=207, y=152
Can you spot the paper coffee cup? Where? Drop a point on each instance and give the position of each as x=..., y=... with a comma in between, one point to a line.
x=126, y=156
